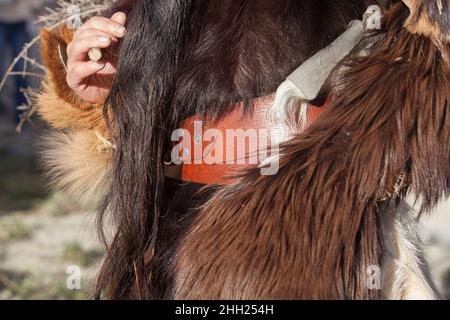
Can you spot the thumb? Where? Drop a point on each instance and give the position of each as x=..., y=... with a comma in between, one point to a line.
x=119, y=17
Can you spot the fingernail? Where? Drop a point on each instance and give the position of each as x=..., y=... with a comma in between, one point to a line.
x=103, y=39
x=101, y=64
x=120, y=29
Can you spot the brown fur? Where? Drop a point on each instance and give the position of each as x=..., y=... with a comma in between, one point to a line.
x=211, y=55
x=324, y=205
x=429, y=18
x=311, y=231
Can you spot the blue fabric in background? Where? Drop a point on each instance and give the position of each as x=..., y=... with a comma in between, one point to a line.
x=14, y=36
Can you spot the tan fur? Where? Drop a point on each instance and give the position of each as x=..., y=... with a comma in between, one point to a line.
x=62, y=115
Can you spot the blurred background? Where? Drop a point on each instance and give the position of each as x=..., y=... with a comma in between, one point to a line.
x=43, y=233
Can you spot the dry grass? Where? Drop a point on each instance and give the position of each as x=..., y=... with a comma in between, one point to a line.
x=75, y=254
x=13, y=228
x=27, y=286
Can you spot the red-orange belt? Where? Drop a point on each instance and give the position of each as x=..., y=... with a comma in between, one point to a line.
x=195, y=144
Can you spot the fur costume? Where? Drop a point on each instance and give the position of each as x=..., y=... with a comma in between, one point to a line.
x=337, y=205
x=76, y=159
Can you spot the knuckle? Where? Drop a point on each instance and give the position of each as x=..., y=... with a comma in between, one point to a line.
x=93, y=19
x=83, y=33
x=112, y=26
x=96, y=20
x=115, y=28
x=90, y=31
x=77, y=32
x=94, y=39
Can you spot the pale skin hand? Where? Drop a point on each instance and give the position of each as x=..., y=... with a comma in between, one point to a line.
x=90, y=80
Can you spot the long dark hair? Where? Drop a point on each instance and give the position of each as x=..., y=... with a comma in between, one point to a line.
x=182, y=57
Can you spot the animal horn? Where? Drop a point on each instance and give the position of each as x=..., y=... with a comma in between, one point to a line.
x=306, y=81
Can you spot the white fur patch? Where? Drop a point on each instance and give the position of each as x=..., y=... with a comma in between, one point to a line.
x=405, y=271
x=76, y=166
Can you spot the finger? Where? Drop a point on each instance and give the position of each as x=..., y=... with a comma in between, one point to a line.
x=111, y=51
x=77, y=50
x=82, y=70
x=109, y=69
x=119, y=17
x=89, y=32
x=109, y=26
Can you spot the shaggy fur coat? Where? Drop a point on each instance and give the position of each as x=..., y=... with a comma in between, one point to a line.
x=320, y=244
